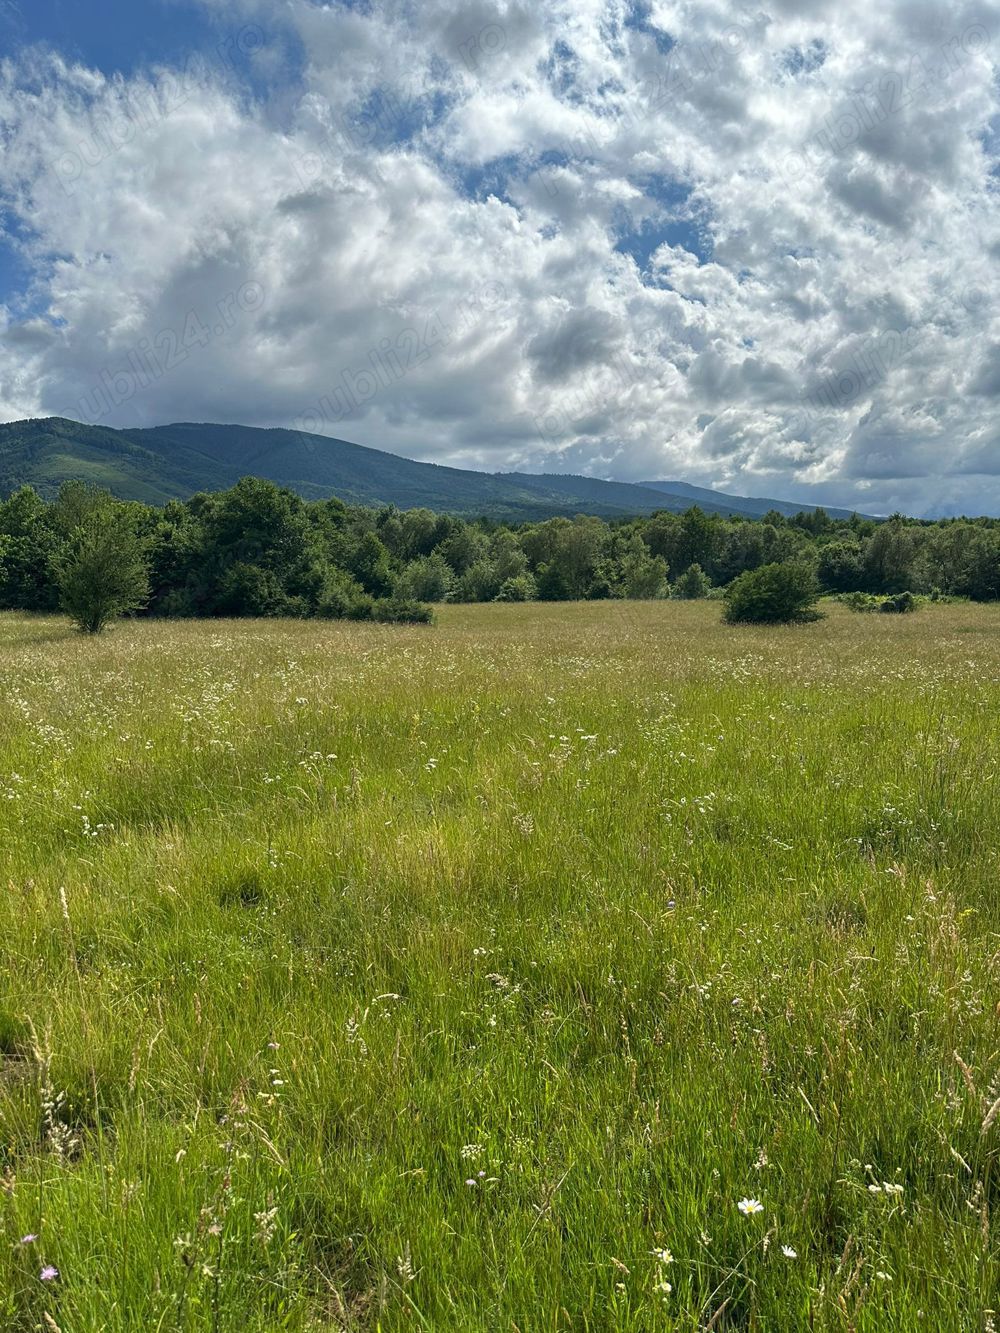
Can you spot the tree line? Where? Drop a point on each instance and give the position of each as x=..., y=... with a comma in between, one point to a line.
x=260, y=550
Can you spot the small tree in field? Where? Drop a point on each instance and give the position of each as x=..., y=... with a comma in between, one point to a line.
x=103, y=572
x=780, y=594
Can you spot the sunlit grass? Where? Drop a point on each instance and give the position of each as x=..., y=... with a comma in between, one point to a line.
x=360, y=977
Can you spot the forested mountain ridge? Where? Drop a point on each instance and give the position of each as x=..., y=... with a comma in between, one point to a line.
x=174, y=462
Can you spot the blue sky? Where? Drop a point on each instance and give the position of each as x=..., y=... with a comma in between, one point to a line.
x=113, y=35
x=116, y=36
x=633, y=238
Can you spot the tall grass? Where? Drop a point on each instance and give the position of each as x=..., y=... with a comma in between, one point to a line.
x=470, y=977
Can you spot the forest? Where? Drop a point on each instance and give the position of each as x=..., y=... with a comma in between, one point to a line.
x=260, y=550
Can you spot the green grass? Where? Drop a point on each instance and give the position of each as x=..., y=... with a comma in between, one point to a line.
x=619, y=913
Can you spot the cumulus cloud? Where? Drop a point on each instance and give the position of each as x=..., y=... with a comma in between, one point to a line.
x=747, y=247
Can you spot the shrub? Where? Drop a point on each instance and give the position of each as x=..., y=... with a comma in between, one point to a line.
x=249, y=590
x=644, y=577
x=479, y=583
x=778, y=594
x=362, y=608
x=900, y=604
x=693, y=584
x=342, y=596
x=428, y=579
x=394, y=611
x=103, y=572
x=859, y=601
x=840, y=566
x=519, y=589
x=552, y=585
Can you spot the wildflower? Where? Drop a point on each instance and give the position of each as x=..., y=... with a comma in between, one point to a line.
x=29, y=1239
x=662, y=1256
x=875, y=1189
x=749, y=1207
x=885, y=1277
x=49, y=1273
x=788, y=1252
x=471, y=1182
x=664, y=1288
x=891, y=1188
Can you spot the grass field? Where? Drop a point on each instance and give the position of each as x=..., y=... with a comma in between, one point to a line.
x=468, y=977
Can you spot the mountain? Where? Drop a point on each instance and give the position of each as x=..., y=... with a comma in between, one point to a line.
x=742, y=504
x=174, y=462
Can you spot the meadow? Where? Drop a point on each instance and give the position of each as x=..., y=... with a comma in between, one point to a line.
x=472, y=976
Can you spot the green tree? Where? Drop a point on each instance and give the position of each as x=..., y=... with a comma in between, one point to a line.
x=889, y=556
x=984, y=567
x=26, y=579
x=369, y=563
x=697, y=540
x=102, y=574
x=479, y=583
x=692, y=584
x=428, y=579
x=779, y=594
x=840, y=568
x=644, y=577
x=521, y=588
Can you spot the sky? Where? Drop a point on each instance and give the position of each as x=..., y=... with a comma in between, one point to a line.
x=753, y=247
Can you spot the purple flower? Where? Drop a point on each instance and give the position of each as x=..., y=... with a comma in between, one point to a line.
x=29, y=1239
x=49, y=1273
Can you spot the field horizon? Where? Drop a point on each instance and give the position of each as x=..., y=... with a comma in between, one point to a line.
x=557, y=966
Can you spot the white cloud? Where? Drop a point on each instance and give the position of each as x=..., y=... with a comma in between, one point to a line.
x=529, y=235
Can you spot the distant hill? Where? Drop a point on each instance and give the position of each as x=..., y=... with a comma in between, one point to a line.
x=175, y=462
x=742, y=504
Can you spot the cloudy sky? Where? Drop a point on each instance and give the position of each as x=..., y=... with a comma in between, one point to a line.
x=755, y=248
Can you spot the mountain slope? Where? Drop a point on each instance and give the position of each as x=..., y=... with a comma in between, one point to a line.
x=174, y=462
x=593, y=491
x=741, y=504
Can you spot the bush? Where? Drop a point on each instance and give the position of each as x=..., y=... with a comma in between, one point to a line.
x=779, y=594
x=393, y=611
x=552, y=585
x=428, y=579
x=646, y=579
x=479, y=583
x=103, y=573
x=519, y=589
x=693, y=584
x=342, y=597
x=859, y=601
x=900, y=604
x=840, y=566
x=249, y=590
